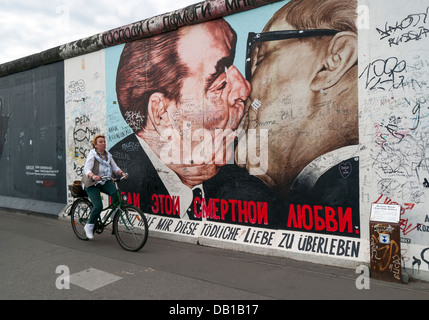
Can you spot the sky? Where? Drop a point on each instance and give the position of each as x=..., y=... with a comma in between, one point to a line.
x=32, y=26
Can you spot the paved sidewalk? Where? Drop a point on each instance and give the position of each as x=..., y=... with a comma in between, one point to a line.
x=37, y=252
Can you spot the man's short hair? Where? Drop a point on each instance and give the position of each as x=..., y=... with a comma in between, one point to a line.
x=147, y=66
x=338, y=15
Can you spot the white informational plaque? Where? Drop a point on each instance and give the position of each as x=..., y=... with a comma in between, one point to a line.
x=385, y=213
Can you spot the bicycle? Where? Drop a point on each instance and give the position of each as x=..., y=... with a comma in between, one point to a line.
x=130, y=225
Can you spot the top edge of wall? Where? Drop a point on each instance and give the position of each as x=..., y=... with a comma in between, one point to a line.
x=197, y=13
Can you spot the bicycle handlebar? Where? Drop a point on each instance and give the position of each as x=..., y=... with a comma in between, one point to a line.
x=107, y=178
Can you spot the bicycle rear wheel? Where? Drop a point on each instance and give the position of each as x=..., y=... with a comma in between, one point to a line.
x=80, y=212
x=131, y=228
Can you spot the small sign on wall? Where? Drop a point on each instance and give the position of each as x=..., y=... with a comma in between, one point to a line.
x=384, y=238
x=387, y=213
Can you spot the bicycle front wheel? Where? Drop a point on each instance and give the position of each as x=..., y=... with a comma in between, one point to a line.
x=80, y=212
x=131, y=228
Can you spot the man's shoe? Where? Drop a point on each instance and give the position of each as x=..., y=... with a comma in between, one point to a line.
x=89, y=231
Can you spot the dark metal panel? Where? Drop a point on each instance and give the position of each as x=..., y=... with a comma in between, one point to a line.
x=32, y=164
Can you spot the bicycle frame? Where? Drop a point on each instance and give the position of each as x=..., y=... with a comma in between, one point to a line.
x=114, y=207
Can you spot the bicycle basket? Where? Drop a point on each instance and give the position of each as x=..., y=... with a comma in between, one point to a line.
x=77, y=191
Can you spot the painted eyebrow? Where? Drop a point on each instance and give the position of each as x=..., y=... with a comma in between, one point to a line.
x=221, y=65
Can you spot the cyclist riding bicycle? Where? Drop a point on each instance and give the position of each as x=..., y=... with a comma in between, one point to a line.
x=99, y=163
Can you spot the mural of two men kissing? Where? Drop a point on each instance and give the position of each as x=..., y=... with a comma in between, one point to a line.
x=272, y=145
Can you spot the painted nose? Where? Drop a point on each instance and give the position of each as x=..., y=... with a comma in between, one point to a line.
x=240, y=87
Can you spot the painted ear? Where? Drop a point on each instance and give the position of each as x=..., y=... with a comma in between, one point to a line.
x=157, y=112
x=341, y=55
